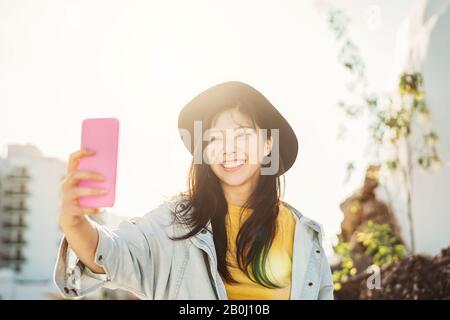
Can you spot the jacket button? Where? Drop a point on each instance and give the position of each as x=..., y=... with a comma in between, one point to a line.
x=100, y=258
x=310, y=284
x=317, y=251
x=66, y=290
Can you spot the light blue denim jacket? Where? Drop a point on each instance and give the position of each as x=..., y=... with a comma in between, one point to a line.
x=139, y=257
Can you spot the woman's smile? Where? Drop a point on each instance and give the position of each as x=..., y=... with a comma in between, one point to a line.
x=232, y=166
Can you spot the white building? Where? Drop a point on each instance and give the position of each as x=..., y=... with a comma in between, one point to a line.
x=423, y=45
x=29, y=233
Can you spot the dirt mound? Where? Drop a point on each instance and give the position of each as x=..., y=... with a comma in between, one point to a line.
x=417, y=277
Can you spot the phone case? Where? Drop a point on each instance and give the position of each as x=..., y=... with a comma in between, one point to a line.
x=102, y=136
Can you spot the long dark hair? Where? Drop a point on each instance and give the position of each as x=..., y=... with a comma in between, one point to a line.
x=207, y=199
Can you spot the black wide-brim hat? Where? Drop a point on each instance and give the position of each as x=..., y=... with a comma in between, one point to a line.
x=232, y=93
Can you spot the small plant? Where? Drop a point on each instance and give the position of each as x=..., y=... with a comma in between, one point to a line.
x=380, y=245
x=344, y=250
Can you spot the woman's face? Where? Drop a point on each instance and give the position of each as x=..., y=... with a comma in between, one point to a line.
x=235, y=149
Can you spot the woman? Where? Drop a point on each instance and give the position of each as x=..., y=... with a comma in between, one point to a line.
x=229, y=236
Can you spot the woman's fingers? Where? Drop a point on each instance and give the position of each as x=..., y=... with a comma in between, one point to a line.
x=83, y=192
x=70, y=192
x=75, y=157
x=87, y=175
x=89, y=211
x=70, y=197
x=76, y=176
x=78, y=211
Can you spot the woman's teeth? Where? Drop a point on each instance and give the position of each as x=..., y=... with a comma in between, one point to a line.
x=232, y=164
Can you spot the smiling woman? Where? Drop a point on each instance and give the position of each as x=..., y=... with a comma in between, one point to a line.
x=228, y=236
x=234, y=113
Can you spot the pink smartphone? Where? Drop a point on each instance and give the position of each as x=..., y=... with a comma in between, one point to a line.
x=102, y=136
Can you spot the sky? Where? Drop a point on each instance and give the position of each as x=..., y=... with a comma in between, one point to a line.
x=141, y=61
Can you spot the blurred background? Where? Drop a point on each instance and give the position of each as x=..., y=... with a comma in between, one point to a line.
x=363, y=83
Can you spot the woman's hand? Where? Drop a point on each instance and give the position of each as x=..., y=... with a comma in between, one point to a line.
x=70, y=213
x=80, y=232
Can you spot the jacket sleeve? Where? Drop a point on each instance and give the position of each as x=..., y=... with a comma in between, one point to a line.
x=326, y=284
x=124, y=252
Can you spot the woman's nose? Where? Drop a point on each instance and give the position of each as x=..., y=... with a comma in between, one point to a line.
x=230, y=146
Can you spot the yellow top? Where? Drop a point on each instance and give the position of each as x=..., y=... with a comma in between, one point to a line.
x=279, y=261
